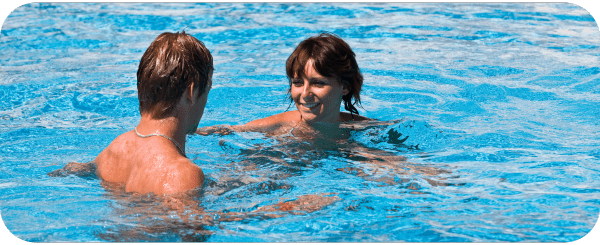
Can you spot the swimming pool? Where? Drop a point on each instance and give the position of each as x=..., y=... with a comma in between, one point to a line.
x=494, y=105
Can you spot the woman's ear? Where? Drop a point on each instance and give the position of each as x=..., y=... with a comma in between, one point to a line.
x=345, y=90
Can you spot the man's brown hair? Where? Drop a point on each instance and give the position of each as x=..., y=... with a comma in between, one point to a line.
x=332, y=57
x=172, y=63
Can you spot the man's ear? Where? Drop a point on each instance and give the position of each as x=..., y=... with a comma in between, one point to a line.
x=190, y=92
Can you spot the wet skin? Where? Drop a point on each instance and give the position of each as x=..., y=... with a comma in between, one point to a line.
x=318, y=101
x=155, y=164
x=152, y=164
x=317, y=98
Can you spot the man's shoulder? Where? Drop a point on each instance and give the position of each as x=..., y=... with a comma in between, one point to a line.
x=114, y=162
x=189, y=168
x=118, y=147
x=183, y=175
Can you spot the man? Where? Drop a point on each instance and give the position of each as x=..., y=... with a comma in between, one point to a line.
x=173, y=81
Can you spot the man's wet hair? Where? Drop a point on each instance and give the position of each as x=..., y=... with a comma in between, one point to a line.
x=172, y=63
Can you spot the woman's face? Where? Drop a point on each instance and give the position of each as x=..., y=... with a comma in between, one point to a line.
x=317, y=98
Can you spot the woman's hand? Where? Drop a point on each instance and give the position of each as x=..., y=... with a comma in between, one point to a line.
x=219, y=130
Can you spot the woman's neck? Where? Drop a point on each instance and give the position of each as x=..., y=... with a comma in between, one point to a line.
x=330, y=130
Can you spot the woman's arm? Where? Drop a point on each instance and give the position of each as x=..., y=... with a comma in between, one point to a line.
x=220, y=130
x=264, y=125
x=223, y=129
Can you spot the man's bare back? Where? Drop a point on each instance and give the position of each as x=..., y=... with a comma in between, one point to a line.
x=173, y=80
x=146, y=165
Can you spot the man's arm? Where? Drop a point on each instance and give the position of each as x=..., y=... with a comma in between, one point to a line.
x=86, y=170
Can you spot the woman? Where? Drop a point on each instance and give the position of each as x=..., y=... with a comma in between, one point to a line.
x=323, y=73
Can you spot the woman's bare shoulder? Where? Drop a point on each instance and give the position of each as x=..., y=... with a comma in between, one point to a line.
x=347, y=117
x=273, y=122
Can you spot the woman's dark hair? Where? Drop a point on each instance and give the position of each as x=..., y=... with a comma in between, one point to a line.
x=172, y=63
x=332, y=57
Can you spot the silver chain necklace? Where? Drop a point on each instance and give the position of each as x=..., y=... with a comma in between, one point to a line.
x=162, y=135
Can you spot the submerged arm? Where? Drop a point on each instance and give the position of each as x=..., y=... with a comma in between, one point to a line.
x=87, y=169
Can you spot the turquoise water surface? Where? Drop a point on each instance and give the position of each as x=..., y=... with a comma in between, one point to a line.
x=495, y=106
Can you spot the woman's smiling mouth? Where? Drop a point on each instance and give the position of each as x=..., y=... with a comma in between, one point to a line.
x=310, y=105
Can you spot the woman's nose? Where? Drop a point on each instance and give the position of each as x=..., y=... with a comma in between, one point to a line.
x=307, y=90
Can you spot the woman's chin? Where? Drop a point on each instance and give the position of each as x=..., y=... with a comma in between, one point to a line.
x=309, y=118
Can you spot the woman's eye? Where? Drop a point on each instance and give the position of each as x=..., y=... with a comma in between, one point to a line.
x=298, y=83
x=319, y=83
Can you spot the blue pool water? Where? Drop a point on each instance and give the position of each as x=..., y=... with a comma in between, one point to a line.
x=495, y=107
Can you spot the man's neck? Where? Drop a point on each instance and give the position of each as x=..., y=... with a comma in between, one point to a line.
x=169, y=126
